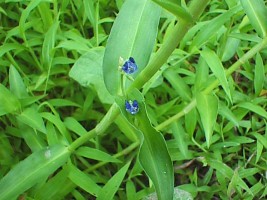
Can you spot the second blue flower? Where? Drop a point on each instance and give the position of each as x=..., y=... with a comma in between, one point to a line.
x=131, y=106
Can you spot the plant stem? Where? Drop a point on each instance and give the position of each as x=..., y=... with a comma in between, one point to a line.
x=196, y=8
x=178, y=32
x=99, y=129
x=215, y=83
x=126, y=151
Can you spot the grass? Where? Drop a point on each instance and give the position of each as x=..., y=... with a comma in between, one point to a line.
x=200, y=132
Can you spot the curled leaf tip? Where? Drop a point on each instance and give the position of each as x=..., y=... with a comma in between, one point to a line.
x=131, y=106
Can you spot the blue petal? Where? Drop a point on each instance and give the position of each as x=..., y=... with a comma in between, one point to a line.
x=131, y=107
x=129, y=66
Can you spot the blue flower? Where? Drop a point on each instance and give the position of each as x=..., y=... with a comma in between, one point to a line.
x=129, y=66
x=131, y=106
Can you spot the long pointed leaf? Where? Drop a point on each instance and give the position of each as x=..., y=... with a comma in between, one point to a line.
x=154, y=156
x=133, y=35
x=176, y=10
x=257, y=14
x=32, y=170
x=113, y=184
x=217, y=68
x=207, y=106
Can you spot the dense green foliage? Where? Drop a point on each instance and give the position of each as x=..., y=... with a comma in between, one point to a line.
x=200, y=131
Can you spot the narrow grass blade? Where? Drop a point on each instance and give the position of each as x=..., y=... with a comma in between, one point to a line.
x=176, y=10
x=135, y=26
x=84, y=181
x=111, y=187
x=48, y=45
x=154, y=156
x=32, y=118
x=207, y=105
x=16, y=83
x=259, y=75
x=73, y=125
x=95, y=154
x=217, y=68
x=8, y=101
x=254, y=108
x=257, y=14
x=35, y=168
x=178, y=84
x=52, y=186
x=227, y=172
x=212, y=27
x=25, y=14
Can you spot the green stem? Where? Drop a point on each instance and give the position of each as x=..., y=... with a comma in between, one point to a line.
x=126, y=151
x=215, y=83
x=178, y=32
x=238, y=63
x=99, y=129
x=196, y=8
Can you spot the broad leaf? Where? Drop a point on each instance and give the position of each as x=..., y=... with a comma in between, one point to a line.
x=34, y=169
x=87, y=71
x=154, y=156
x=133, y=35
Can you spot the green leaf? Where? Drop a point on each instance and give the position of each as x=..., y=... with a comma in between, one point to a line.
x=111, y=187
x=207, y=105
x=257, y=14
x=254, y=108
x=212, y=27
x=95, y=154
x=217, y=68
x=52, y=186
x=32, y=118
x=228, y=114
x=48, y=45
x=84, y=181
x=180, y=138
x=176, y=10
x=87, y=71
x=227, y=172
x=24, y=15
x=259, y=75
x=154, y=156
x=16, y=83
x=73, y=125
x=135, y=26
x=32, y=170
x=178, y=84
x=8, y=102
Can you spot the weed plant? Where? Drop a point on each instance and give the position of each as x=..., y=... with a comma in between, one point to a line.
x=133, y=99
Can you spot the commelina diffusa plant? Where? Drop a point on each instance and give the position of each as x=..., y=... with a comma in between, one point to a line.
x=184, y=117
